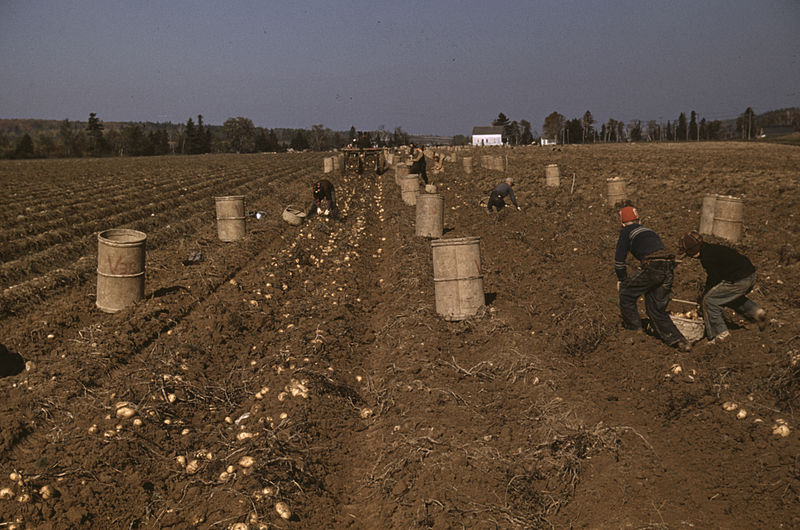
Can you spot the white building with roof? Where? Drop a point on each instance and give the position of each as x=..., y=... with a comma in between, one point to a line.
x=492, y=135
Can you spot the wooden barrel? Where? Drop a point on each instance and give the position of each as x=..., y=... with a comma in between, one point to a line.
x=409, y=188
x=430, y=215
x=707, y=214
x=120, y=268
x=467, y=164
x=552, y=177
x=230, y=217
x=728, y=218
x=327, y=164
x=457, y=277
x=616, y=191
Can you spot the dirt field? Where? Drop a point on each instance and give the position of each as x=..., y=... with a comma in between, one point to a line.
x=307, y=365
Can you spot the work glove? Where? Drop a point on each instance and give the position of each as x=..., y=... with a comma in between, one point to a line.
x=519, y=209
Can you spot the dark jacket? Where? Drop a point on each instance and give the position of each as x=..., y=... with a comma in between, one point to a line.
x=504, y=189
x=640, y=241
x=723, y=263
x=323, y=190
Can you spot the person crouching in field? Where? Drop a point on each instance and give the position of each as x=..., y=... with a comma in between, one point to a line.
x=504, y=189
x=324, y=200
x=418, y=162
x=730, y=276
x=653, y=279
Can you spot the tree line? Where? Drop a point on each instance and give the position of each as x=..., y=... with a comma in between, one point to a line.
x=585, y=130
x=236, y=135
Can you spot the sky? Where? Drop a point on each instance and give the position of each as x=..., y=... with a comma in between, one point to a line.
x=430, y=67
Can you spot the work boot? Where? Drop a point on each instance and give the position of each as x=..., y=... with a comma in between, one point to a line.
x=683, y=346
x=761, y=319
x=722, y=337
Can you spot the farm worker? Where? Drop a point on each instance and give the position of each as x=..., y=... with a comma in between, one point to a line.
x=438, y=164
x=729, y=277
x=653, y=279
x=505, y=188
x=418, y=162
x=324, y=200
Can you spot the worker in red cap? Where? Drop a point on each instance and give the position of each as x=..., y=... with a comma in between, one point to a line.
x=324, y=200
x=730, y=276
x=653, y=279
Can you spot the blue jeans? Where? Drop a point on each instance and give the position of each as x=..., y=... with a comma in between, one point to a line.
x=654, y=281
x=728, y=294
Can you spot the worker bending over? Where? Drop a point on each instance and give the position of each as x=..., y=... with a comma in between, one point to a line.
x=653, y=279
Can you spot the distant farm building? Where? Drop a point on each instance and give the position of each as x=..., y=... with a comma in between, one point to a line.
x=487, y=135
x=547, y=141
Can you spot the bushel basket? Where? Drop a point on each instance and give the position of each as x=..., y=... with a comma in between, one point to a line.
x=693, y=330
x=293, y=216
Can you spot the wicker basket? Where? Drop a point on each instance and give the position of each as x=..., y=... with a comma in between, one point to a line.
x=293, y=216
x=693, y=330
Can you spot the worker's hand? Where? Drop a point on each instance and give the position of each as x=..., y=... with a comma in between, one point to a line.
x=519, y=209
x=618, y=282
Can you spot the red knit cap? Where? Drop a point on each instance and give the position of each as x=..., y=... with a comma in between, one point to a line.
x=628, y=213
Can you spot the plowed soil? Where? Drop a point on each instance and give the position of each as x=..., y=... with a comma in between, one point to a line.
x=307, y=365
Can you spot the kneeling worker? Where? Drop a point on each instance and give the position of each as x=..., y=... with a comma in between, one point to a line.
x=324, y=200
x=505, y=188
x=729, y=277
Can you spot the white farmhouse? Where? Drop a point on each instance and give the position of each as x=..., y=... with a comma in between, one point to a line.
x=487, y=135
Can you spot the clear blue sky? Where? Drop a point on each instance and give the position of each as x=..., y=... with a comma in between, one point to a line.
x=430, y=67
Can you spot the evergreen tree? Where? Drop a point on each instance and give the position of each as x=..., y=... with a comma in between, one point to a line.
x=588, y=130
x=134, y=141
x=746, y=124
x=189, y=138
x=299, y=142
x=503, y=121
x=693, y=134
x=682, y=130
x=24, y=147
x=94, y=131
x=202, y=140
x=526, y=136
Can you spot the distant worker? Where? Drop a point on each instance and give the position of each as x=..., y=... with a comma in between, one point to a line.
x=438, y=164
x=653, y=279
x=418, y=162
x=504, y=189
x=324, y=200
x=730, y=276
